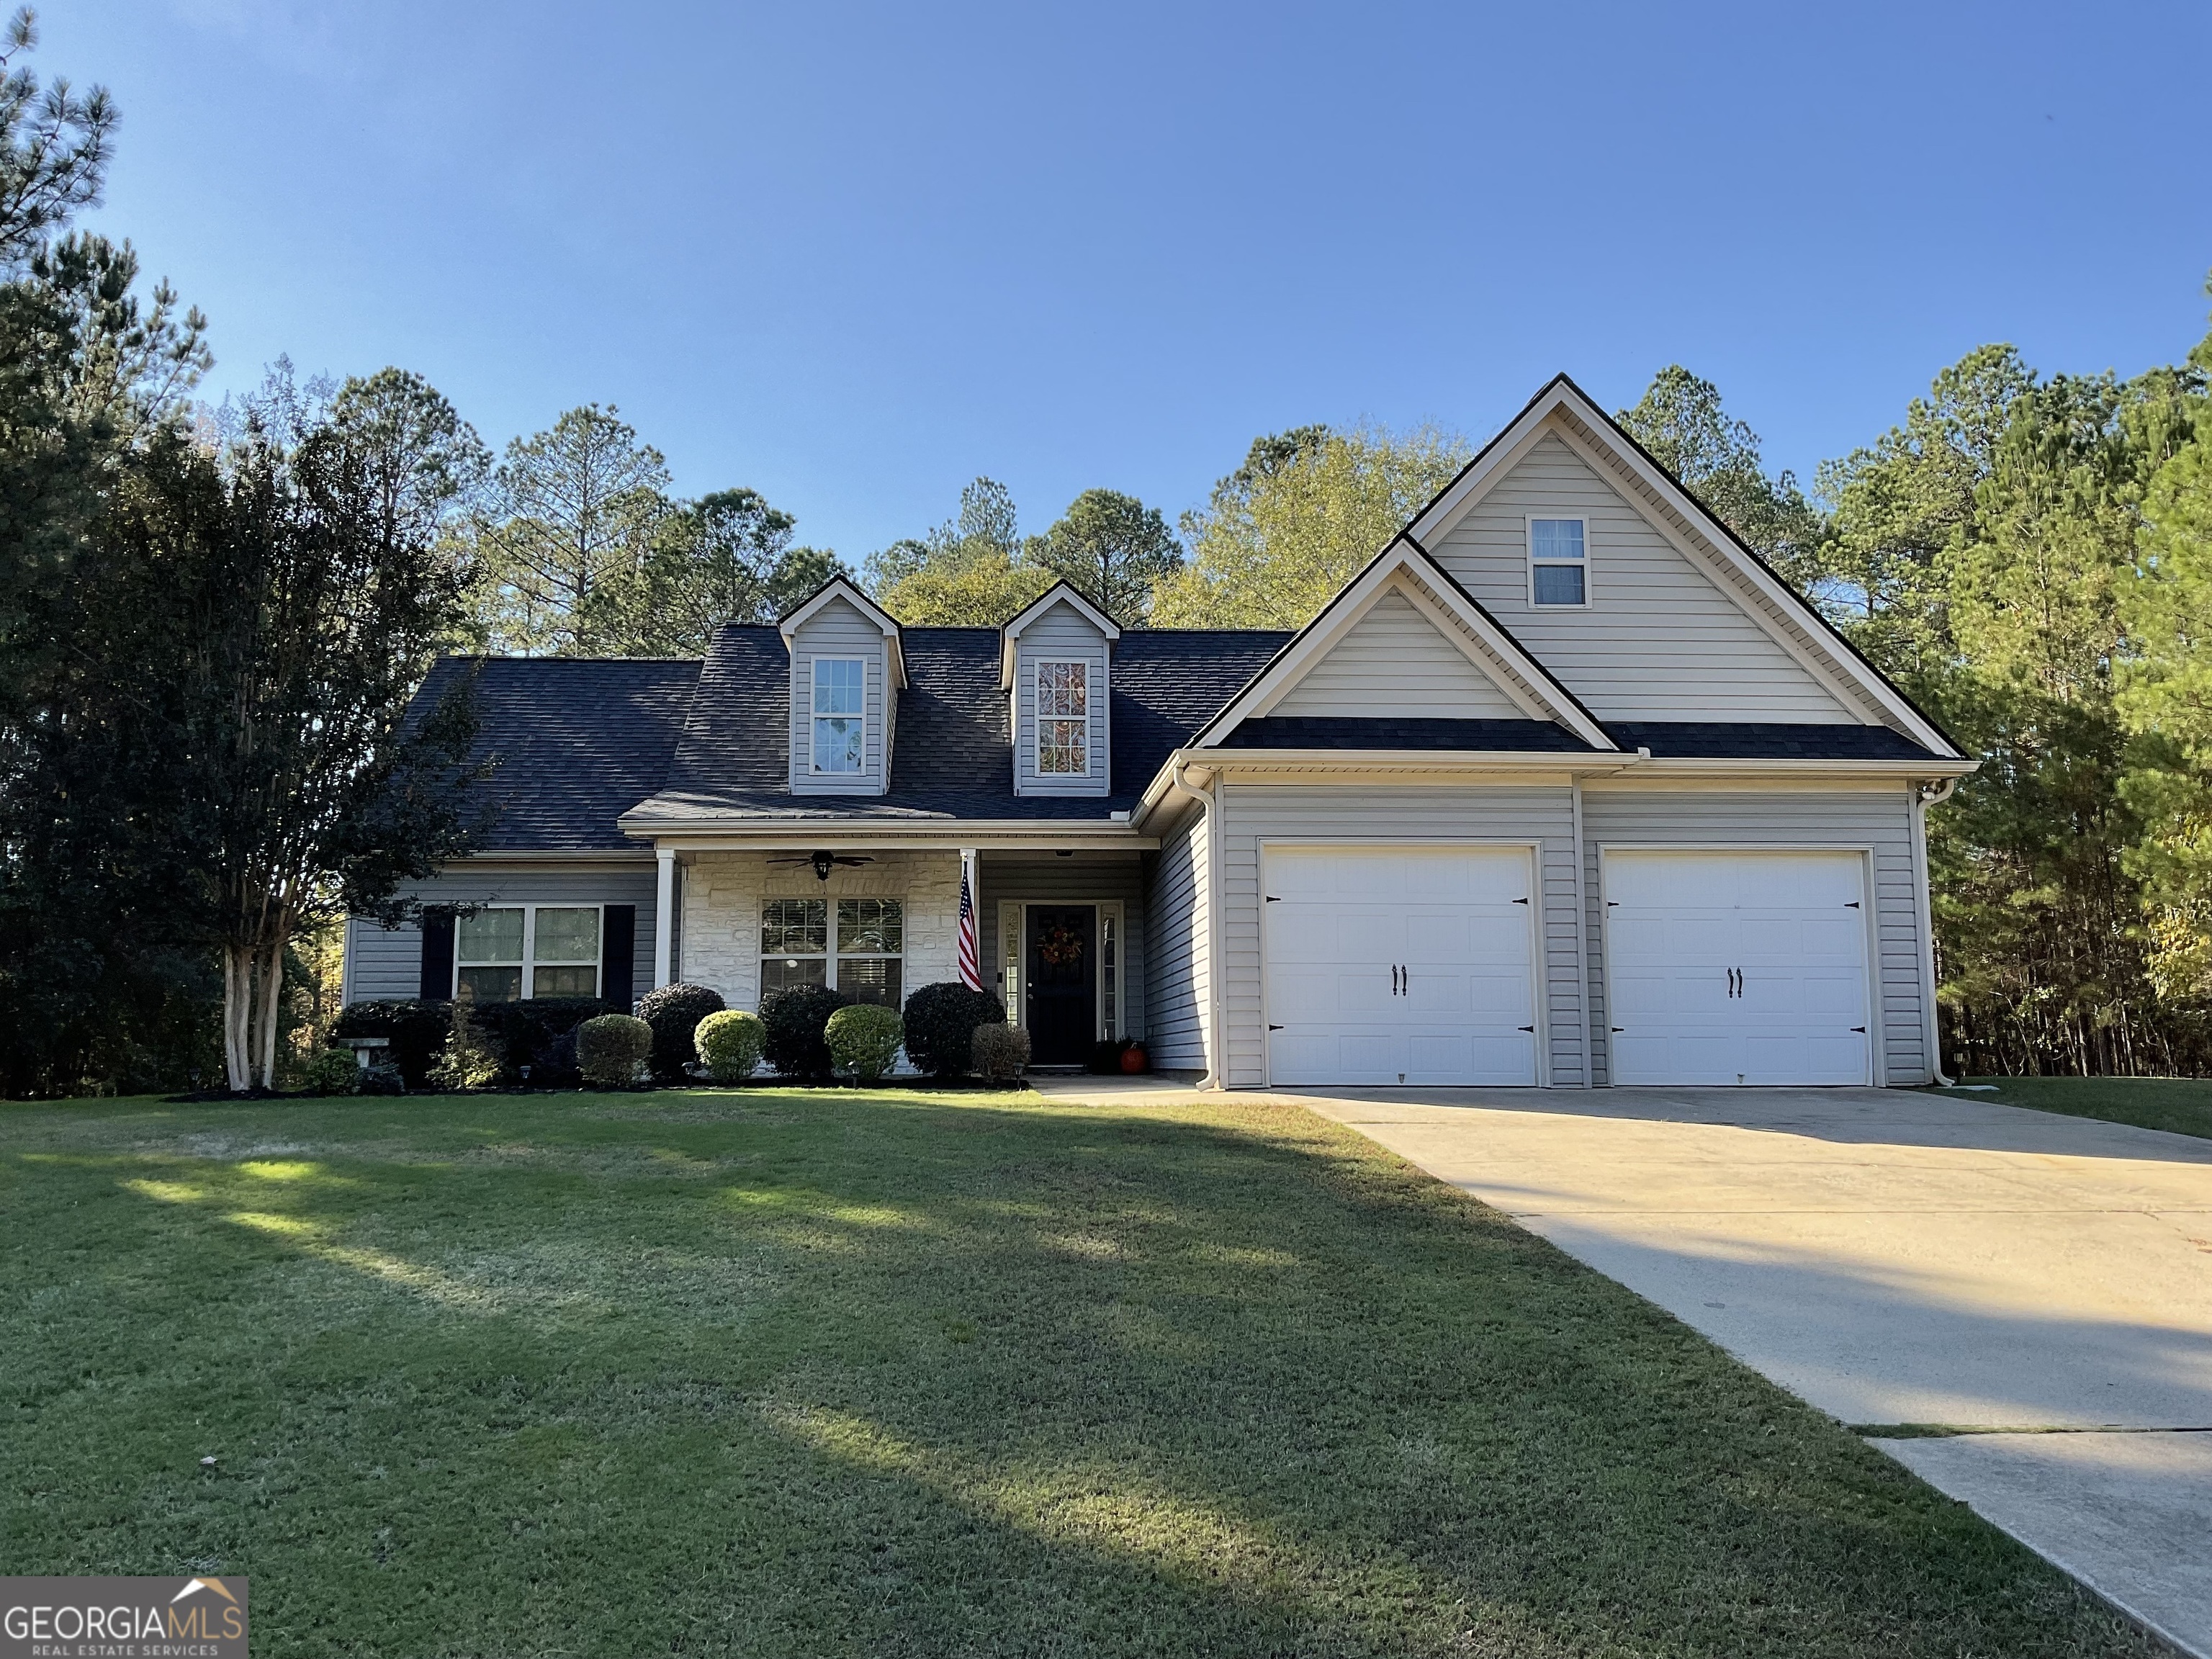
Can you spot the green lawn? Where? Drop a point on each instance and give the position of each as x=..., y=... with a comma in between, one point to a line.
x=2181, y=1104
x=847, y=1373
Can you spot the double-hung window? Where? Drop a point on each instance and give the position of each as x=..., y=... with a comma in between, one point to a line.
x=1063, y=690
x=840, y=689
x=857, y=945
x=1558, y=561
x=507, y=952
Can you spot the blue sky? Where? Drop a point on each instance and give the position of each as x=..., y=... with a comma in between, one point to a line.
x=855, y=255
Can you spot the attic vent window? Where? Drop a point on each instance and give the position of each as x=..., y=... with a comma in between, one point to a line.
x=840, y=691
x=1064, y=718
x=1558, y=561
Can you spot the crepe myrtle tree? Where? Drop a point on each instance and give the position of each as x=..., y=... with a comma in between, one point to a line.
x=321, y=603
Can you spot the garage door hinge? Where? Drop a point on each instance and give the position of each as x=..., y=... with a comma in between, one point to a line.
x=1519, y=901
x=1612, y=904
x=1274, y=1028
x=1851, y=904
x=1527, y=1028
x=1272, y=899
x=1621, y=1028
x=1860, y=1030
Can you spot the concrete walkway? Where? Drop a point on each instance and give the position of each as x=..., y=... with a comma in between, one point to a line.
x=1896, y=1259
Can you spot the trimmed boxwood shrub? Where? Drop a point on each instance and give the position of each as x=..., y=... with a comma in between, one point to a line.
x=1001, y=1051
x=415, y=1029
x=674, y=1013
x=940, y=1023
x=610, y=1049
x=729, y=1044
x=795, y=1045
x=864, y=1039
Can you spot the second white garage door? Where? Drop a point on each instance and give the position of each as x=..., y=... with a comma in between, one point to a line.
x=1737, y=968
x=1390, y=964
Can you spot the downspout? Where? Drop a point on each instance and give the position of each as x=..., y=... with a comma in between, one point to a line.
x=1217, y=1037
x=1923, y=799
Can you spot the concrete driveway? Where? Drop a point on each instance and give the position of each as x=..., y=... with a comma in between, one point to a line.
x=1902, y=1259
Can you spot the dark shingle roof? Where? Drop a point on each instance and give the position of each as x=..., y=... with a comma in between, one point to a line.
x=1349, y=731
x=575, y=742
x=1717, y=740
x=951, y=753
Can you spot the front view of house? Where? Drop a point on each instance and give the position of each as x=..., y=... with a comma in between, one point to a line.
x=1565, y=788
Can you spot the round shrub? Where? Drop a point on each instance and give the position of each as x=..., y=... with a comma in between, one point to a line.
x=940, y=1022
x=611, y=1049
x=795, y=1045
x=730, y=1044
x=674, y=1013
x=1001, y=1051
x=864, y=1040
x=333, y=1072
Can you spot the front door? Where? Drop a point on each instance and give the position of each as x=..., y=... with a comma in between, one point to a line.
x=1063, y=995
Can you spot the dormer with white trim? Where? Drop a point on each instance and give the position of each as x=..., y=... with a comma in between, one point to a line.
x=1055, y=667
x=846, y=672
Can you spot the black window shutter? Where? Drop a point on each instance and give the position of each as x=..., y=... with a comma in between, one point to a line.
x=437, y=953
x=619, y=953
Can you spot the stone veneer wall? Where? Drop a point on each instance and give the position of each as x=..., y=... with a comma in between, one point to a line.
x=722, y=894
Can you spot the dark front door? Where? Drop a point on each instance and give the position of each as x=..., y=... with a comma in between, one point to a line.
x=1063, y=993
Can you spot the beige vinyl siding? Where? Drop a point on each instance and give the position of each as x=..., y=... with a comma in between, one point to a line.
x=383, y=962
x=1176, y=976
x=1061, y=634
x=1658, y=640
x=1880, y=819
x=838, y=629
x=1086, y=878
x=1542, y=814
x=1394, y=663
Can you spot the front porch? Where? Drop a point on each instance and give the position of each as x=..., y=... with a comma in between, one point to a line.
x=1060, y=934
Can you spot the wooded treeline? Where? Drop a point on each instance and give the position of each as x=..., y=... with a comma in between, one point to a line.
x=211, y=620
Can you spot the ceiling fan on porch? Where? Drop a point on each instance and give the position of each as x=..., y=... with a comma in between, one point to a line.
x=825, y=861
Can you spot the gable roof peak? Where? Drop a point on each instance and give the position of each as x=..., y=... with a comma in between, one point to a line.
x=841, y=587
x=1062, y=592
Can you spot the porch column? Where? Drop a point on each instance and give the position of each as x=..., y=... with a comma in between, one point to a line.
x=664, y=916
x=968, y=946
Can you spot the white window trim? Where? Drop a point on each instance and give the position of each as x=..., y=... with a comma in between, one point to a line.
x=1037, y=689
x=529, y=964
x=829, y=956
x=1529, y=545
x=813, y=683
x=1013, y=950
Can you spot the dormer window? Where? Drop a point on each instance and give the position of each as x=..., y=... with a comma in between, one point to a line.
x=840, y=689
x=1064, y=718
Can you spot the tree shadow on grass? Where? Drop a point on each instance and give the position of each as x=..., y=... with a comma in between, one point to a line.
x=888, y=1375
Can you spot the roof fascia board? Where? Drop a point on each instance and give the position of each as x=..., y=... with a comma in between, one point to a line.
x=1550, y=701
x=709, y=835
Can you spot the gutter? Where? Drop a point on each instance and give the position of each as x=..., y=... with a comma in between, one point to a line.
x=1933, y=792
x=1210, y=808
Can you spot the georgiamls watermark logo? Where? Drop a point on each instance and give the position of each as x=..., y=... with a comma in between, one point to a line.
x=202, y=1618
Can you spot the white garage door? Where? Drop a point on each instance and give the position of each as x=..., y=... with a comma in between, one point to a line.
x=1733, y=967
x=1399, y=965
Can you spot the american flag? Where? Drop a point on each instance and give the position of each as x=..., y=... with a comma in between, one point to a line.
x=971, y=968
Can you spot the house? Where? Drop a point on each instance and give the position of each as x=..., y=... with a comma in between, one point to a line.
x=1564, y=789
